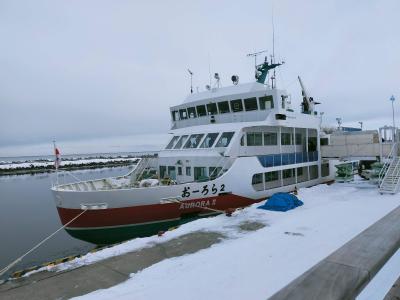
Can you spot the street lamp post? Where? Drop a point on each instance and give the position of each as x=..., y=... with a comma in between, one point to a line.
x=392, y=99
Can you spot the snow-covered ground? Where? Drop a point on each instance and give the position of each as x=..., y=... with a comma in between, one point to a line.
x=251, y=265
x=10, y=166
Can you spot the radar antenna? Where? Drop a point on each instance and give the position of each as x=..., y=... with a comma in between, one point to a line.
x=255, y=54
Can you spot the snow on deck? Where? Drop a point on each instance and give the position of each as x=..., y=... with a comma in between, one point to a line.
x=251, y=265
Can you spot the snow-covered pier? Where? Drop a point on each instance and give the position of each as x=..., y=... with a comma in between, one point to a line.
x=344, y=273
x=252, y=255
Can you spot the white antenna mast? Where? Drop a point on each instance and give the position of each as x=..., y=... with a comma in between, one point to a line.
x=273, y=48
x=209, y=68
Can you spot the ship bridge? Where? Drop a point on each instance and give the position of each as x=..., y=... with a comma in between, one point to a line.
x=237, y=103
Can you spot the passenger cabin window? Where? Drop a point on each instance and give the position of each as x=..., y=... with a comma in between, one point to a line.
x=287, y=173
x=236, y=105
x=163, y=171
x=266, y=102
x=209, y=140
x=250, y=104
x=271, y=176
x=188, y=171
x=191, y=112
x=181, y=141
x=299, y=139
x=223, y=107
x=201, y=110
x=193, y=141
x=225, y=139
x=213, y=172
x=212, y=108
x=257, y=182
x=200, y=174
x=254, y=139
x=270, y=138
x=286, y=138
x=172, y=142
x=183, y=114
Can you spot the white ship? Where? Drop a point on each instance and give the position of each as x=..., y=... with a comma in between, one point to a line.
x=230, y=147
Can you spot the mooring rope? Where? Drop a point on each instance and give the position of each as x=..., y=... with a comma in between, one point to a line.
x=4, y=270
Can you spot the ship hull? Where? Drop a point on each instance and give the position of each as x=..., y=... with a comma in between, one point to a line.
x=106, y=226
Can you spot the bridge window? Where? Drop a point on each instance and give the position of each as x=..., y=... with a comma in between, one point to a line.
x=286, y=138
x=181, y=141
x=193, y=141
x=250, y=104
x=172, y=142
x=212, y=108
x=270, y=138
x=175, y=115
x=237, y=105
x=183, y=114
x=266, y=102
x=225, y=139
x=209, y=140
x=254, y=139
x=201, y=110
x=223, y=107
x=191, y=112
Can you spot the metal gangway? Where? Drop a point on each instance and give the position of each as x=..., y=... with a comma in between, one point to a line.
x=389, y=177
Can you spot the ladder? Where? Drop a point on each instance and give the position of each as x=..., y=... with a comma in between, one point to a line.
x=390, y=183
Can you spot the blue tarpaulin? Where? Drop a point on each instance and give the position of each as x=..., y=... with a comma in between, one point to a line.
x=281, y=202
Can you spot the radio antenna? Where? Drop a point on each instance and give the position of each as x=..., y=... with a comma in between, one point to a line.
x=273, y=48
x=191, y=81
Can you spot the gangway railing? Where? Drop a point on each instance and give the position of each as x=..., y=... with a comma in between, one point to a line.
x=390, y=158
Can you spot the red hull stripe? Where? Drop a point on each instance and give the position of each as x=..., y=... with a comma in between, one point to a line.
x=149, y=213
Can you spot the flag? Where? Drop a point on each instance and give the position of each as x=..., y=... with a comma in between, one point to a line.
x=57, y=161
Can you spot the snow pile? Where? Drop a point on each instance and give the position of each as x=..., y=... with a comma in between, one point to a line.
x=251, y=265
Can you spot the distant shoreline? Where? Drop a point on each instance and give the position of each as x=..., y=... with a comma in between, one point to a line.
x=34, y=169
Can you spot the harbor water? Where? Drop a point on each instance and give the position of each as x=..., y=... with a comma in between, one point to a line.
x=28, y=215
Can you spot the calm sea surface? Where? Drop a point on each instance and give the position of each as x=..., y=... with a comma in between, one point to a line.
x=28, y=215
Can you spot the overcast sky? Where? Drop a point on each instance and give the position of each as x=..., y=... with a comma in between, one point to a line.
x=80, y=70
